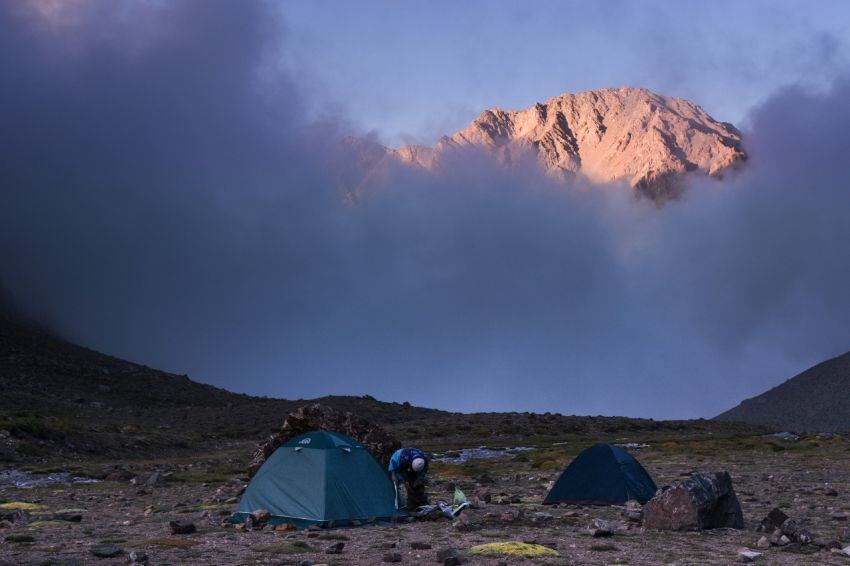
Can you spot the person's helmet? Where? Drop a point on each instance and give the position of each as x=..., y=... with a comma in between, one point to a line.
x=417, y=464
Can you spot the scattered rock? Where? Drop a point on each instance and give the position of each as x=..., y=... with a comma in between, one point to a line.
x=322, y=417
x=418, y=545
x=138, y=557
x=284, y=527
x=182, y=527
x=541, y=517
x=385, y=545
x=845, y=551
x=70, y=515
x=844, y=533
x=763, y=542
x=633, y=511
x=773, y=520
x=705, y=501
x=790, y=526
x=156, y=479
x=391, y=557
x=747, y=555
x=335, y=548
x=484, y=495
x=600, y=528
x=106, y=551
x=450, y=557
x=464, y=523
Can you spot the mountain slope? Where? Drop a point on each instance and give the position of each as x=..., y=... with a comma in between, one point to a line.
x=652, y=142
x=61, y=402
x=816, y=400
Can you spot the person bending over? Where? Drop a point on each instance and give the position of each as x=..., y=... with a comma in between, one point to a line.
x=409, y=466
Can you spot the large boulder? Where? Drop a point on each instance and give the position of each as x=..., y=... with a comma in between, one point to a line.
x=704, y=501
x=321, y=417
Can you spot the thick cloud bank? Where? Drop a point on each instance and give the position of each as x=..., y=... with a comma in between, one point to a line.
x=161, y=200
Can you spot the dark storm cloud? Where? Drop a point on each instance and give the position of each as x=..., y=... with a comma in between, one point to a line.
x=162, y=200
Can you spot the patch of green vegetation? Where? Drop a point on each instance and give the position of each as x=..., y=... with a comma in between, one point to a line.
x=38, y=427
x=294, y=547
x=465, y=470
x=46, y=523
x=196, y=476
x=21, y=506
x=513, y=549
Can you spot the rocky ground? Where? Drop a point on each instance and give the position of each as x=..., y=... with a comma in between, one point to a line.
x=808, y=478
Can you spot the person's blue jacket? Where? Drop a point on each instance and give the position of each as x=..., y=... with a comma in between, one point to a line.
x=401, y=463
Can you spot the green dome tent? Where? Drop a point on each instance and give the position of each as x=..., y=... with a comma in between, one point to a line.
x=602, y=475
x=320, y=478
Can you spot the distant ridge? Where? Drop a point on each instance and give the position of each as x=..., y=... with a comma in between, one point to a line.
x=816, y=400
x=651, y=141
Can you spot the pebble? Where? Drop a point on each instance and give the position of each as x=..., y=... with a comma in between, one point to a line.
x=106, y=551
x=181, y=527
x=600, y=528
x=747, y=555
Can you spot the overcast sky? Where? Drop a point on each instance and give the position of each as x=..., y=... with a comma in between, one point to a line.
x=169, y=194
x=414, y=71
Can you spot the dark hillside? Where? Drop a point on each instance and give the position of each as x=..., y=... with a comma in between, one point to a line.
x=64, y=402
x=816, y=400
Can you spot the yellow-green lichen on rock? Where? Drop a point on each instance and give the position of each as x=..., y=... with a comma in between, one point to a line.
x=513, y=549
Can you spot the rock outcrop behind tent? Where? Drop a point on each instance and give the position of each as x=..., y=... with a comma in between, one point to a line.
x=322, y=417
x=704, y=501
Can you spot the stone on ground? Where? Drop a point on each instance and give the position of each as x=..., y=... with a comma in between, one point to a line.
x=704, y=501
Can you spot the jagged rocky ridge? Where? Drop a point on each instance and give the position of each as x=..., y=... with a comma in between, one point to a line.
x=649, y=141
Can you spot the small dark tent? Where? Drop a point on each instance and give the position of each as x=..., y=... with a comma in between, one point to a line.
x=320, y=478
x=602, y=475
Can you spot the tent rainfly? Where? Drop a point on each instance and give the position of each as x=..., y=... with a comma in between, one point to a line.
x=602, y=475
x=320, y=478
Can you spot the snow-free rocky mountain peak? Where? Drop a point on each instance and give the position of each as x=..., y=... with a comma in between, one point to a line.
x=650, y=141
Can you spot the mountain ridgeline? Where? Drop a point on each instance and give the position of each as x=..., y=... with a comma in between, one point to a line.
x=816, y=400
x=651, y=142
